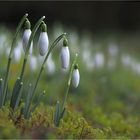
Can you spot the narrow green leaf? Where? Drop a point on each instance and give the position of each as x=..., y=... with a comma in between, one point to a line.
x=62, y=113
x=19, y=96
x=28, y=101
x=15, y=92
x=6, y=95
x=4, y=90
x=1, y=88
x=57, y=114
x=38, y=101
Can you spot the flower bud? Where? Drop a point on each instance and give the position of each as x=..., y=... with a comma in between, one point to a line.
x=76, y=77
x=65, y=55
x=43, y=41
x=26, y=36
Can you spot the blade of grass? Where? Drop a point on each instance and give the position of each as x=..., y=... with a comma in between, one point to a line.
x=15, y=93
x=69, y=81
x=19, y=96
x=38, y=101
x=1, y=86
x=57, y=114
x=10, y=57
x=27, y=102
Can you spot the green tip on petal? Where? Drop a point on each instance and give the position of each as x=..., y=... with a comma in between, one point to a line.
x=27, y=24
x=76, y=66
x=43, y=27
x=65, y=42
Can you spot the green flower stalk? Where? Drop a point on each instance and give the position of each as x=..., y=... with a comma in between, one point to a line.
x=37, y=25
x=69, y=80
x=59, y=112
x=17, y=87
x=3, y=97
x=54, y=44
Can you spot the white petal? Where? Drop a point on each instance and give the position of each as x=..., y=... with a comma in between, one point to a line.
x=65, y=57
x=43, y=43
x=50, y=65
x=33, y=63
x=17, y=54
x=26, y=36
x=76, y=78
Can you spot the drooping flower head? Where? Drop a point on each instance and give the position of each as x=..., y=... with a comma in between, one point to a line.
x=43, y=41
x=26, y=36
x=75, y=76
x=65, y=55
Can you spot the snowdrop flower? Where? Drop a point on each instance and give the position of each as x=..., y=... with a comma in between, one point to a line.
x=65, y=55
x=137, y=68
x=113, y=49
x=26, y=36
x=17, y=54
x=43, y=41
x=50, y=65
x=76, y=77
x=33, y=63
x=126, y=60
x=99, y=59
x=87, y=57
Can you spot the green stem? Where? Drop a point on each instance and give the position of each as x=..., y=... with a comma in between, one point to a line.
x=37, y=25
x=69, y=82
x=43, y=64
x=10, y=56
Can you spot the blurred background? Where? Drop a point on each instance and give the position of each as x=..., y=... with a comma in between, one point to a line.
x=92, y=15
x=107, y=37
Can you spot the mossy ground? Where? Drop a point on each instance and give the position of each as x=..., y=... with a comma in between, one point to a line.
x=41, y=125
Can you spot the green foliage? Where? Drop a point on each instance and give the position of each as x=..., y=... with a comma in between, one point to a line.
x=41, y=125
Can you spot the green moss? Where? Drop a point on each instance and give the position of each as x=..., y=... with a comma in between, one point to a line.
x=41, y=125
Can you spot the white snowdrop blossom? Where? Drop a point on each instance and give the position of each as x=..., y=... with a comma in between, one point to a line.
x=65, y=55
x=99, y=60
x=33, y=63
x=75, y=77
x=113, y=49
x=126, y=60
x=87, y=57
x=17, y=54
x=50, y=65
x=43, y=43
x=26, y=36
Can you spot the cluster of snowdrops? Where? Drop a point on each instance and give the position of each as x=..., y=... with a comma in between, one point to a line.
x=44, y=50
